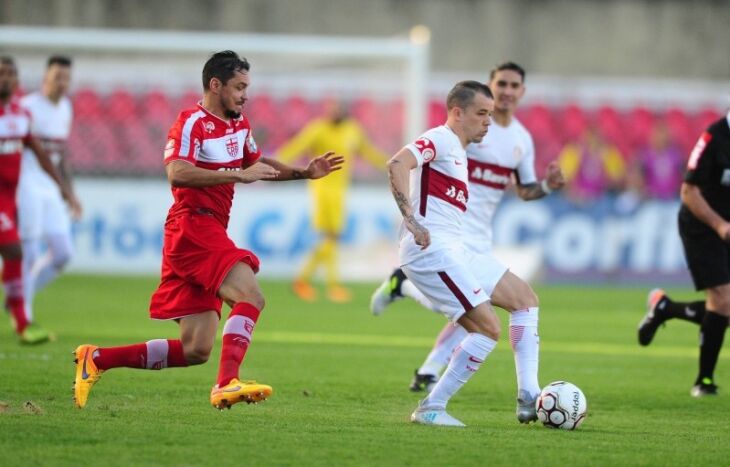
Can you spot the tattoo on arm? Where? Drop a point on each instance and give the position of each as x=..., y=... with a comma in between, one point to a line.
x=400, y=199
x=531, y=191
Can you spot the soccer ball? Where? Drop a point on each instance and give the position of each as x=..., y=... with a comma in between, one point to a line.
x=561, y=405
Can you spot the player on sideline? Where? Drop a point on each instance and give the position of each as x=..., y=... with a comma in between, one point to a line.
x=507, y=149
x=431, y=251
x=43, y=216
x=15, y=134
x=210, y=148
x=704, y=226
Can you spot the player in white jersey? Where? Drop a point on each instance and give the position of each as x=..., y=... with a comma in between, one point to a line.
x=428, y=180
x=44, y=219
x=507, y=149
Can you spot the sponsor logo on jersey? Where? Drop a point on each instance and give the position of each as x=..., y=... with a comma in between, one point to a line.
x=454, y=193
x=699, y=148
x=491, y=175
x=427, y=149
x=487, y=175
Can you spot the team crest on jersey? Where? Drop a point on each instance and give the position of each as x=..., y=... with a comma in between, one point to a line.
x=209, y=127
x=169, y=148
x=251, y=145
x=232, y=147
x=427, y=149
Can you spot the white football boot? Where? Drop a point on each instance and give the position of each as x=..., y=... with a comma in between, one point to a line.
x=439, y=417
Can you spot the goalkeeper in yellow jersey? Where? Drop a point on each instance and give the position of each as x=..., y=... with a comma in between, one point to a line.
x=336, y=131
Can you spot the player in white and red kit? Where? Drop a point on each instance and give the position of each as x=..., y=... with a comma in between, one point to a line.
x=210, y=148
x=15, y=134
x=507, y=149
x=44, y=219
x=428, y=179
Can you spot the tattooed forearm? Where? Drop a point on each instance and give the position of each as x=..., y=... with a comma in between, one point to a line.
x=401, y=199
x=530, y=191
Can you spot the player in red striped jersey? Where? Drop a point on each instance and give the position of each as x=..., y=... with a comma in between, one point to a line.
x=15, y=134
x=210, y=148
x=431, y=249
x=507, y=149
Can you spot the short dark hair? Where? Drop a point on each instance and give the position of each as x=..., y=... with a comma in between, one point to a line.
x=7, y=60
x=512, y=66
x=463, y=92
x=223, y=65
x=60, y=60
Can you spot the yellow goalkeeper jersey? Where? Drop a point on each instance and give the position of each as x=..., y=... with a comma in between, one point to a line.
x=345, y=138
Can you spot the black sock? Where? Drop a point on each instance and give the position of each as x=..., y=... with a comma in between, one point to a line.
x=400, y=277
x=712, y=333
x=688, y=311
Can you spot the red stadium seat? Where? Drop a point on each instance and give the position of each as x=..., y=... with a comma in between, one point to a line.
x=121, y=106
x=680, y=128
x=87, y=104
x=187, y=100
x=157, y=108
x=639, y=124
x=537, y=119
x=364, y=110
x=704, y=118
x=572, y=123
x=297, y=113
x=436, y=112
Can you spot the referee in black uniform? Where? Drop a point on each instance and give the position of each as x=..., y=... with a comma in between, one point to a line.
x=704, y=225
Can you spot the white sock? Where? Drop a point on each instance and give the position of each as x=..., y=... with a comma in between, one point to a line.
x=47, y=267
x=525, y=343
x=446, y=342
x=31, y=252
x=467, y=359
x=409, y=290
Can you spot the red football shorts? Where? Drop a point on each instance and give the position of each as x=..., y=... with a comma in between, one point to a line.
x=8, y=216
x=196, y=256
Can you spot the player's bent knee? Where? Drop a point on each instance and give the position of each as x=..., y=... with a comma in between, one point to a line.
x=196, y=354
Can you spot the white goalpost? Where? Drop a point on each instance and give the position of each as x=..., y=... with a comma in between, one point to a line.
x=323, y=52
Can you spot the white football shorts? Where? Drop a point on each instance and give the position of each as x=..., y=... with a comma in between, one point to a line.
x=455, y=281
x=41, y=210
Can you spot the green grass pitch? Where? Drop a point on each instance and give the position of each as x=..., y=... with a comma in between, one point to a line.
x=340, y=378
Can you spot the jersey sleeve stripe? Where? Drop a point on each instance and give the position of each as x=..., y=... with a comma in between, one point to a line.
x=425, y=172
x=186, y=131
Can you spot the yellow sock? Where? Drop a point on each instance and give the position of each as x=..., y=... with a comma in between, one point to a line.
x=329, y=256
x=316, y=257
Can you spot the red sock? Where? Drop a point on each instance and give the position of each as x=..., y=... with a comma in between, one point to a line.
x=13, y=283
x=152, y=355
x=236, y=338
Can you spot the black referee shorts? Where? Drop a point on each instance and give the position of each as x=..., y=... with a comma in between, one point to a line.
x=708, y=257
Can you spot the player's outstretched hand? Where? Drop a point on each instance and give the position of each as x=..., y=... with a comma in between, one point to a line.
x=554, y=176
x=420, y=234
x=324, y=165
x=258, y=171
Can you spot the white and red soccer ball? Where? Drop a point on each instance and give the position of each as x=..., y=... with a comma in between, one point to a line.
x=561, y=405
